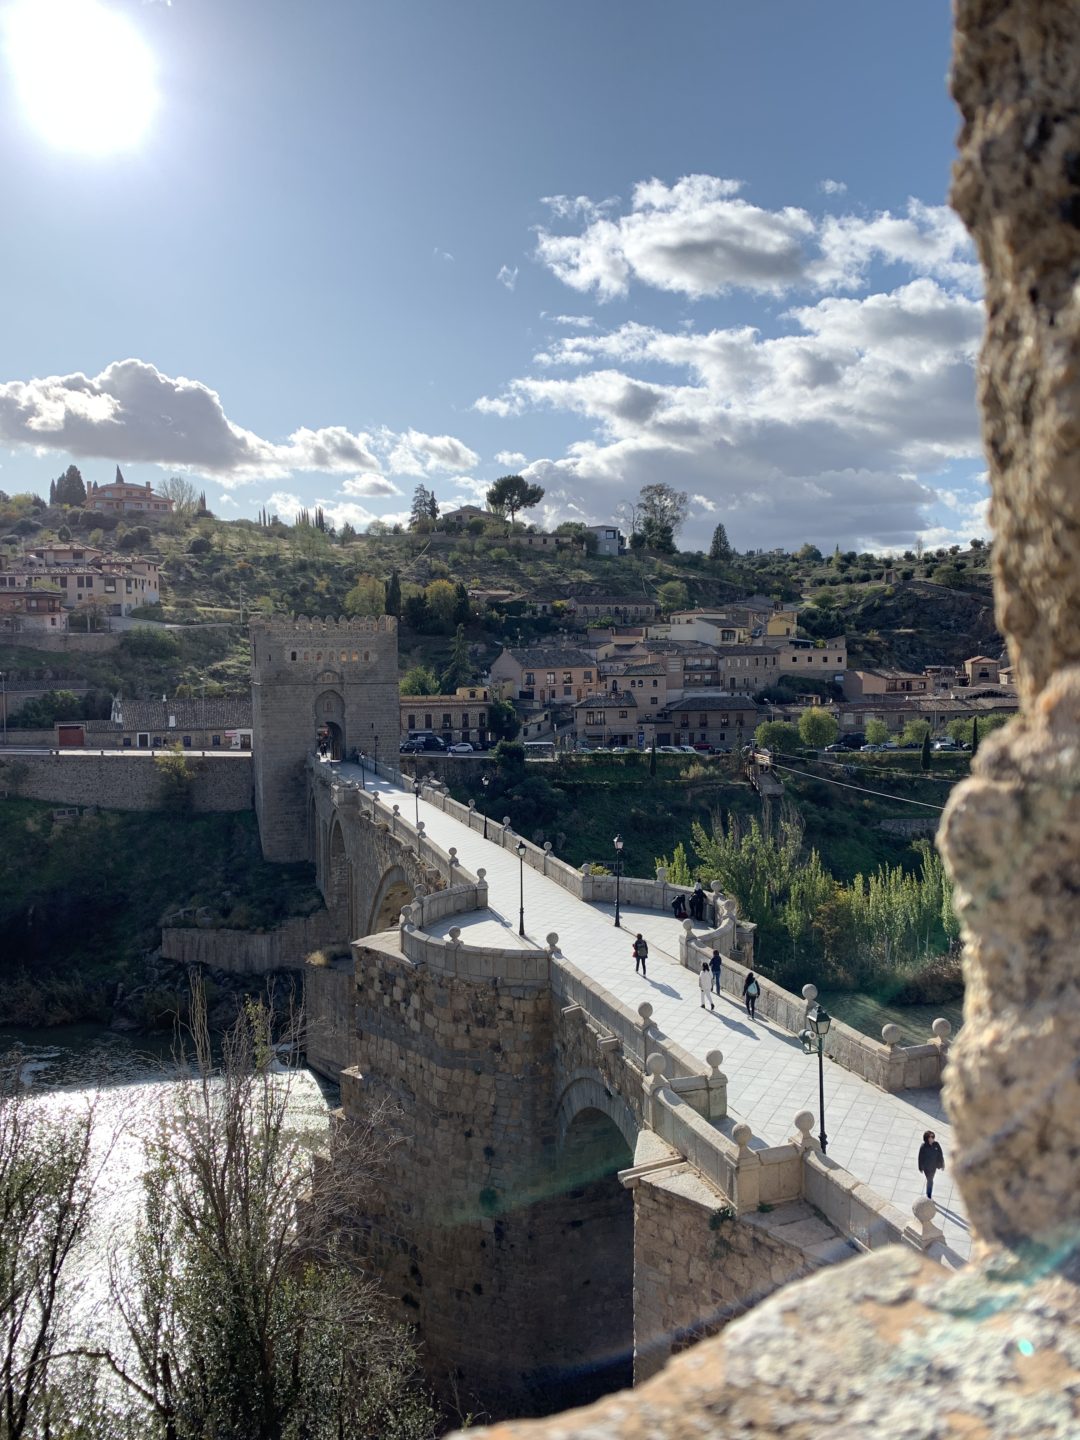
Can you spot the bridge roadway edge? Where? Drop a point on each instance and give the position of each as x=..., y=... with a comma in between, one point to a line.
x=497, y=1231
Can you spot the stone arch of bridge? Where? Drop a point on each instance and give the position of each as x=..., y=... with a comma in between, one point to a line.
x=586, y=1092
x=329, y=720
x=394, y=891
x=587, y=1230
x=337, y=866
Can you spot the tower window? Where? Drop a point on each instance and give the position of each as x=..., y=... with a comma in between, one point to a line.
x=294, y=655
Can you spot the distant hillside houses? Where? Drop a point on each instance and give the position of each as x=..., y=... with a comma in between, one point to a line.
x=123, y=498
x=81, y=577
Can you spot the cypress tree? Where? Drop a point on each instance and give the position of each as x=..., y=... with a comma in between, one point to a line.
x=974, y=735
x=393, y=594
x=925, y=758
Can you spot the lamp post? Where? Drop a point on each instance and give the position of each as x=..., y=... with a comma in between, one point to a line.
x=485, y=781
x=618, y=843
x=416, y=797
x=362, y=761
x=818, y=1021
x=521, y=886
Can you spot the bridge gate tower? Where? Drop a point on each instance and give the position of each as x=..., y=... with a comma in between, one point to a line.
x=312, y=679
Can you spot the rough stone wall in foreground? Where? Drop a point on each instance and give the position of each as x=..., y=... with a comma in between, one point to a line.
x=889, y=1344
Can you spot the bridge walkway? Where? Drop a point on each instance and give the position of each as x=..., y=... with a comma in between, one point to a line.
x=874, y=1135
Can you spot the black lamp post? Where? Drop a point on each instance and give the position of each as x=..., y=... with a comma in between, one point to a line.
x=362, y=758
x=416, y=797
x=485, y=781
x=618, y=842
x=818, y=1021
x=521, y=885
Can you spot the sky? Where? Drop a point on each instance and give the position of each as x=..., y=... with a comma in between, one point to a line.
x=321, y=253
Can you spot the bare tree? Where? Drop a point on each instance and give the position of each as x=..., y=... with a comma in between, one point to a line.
x=183, y=494
x=47, y=1175
x=247, y=1310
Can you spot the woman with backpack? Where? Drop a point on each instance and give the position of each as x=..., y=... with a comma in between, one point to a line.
x=751, y=990
x=640, y=952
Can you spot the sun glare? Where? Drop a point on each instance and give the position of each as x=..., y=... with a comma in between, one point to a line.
x=83, y=75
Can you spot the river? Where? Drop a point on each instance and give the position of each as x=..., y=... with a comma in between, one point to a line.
x=130, y=1083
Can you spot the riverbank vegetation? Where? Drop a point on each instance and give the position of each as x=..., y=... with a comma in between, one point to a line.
x=242, y=1307
x=83, y=898
x=891, y=932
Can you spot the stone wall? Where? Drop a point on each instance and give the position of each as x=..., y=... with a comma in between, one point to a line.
x=125, y=780
x=697, y=1265
x=68, y=641
x=247, y=952
x=329, y=1023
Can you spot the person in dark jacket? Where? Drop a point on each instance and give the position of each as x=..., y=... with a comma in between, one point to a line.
x=697, y=903
x=931, y=1160
x=678, y=907
x=640, y=949
x=714, y=965
x=751, y=990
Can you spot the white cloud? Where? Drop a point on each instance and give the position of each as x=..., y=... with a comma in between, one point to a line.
x=575, y=322
x=567, y=207
x=698, y=238
x=441, y=254
x=820, y=433
x=507, y=276
x=369, y=485
x=284, y=504
x=414, y=453
x=509, y=457
x=832, y=187
x=133, y=413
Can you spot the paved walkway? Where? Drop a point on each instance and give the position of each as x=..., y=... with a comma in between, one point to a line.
x=874, y=1135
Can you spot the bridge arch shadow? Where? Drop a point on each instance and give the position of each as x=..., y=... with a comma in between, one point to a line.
x=587, y=1227
x=395, y=891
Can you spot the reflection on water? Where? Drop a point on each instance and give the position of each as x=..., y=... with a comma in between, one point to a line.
x=131, y=1086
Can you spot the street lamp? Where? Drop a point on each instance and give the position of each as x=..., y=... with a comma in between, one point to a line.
x=416, y=797
x=818, y=1021
x=485, y=781
x=618, y=843
x=521, y=884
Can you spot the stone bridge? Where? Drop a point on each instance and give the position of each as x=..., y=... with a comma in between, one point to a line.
x=583, y=1189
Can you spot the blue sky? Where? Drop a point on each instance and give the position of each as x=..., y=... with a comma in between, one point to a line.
x=364, y=245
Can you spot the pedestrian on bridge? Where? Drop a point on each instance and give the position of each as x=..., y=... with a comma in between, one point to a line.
x=704, y=981
x=640, y=951
x=931, y=1160
x=751, y=990
x=714, y=969
x=697, y=903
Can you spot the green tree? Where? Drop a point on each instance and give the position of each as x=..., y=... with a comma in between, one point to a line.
x=924, y=753
x=502, y=720
x=877, y=732
x=420, y=680
x=678, y=867
x=673, y=595
x=367, y=597
x=720, y=547
x=175, y=780
x=393, y=594
x=809, y=554
x=777, y=735
x=915, y=732
x=662, y=513
x=818, y=727
x=442, y=602
x=511, y=493
x=424, y=511
x=69, y=488
x=460, y=670
x=974, y=735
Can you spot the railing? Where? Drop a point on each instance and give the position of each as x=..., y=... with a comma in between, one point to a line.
x=886, y=1063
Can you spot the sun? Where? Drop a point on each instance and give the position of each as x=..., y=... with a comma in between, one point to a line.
x=83, y=74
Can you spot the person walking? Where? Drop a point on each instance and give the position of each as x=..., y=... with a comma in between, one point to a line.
x=714, y=969
x=751, y=990
x=931, y=1160
x=704, y=981
x=640, y=949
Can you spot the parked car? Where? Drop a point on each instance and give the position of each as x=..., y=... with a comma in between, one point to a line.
x=702, y=749
x=854, y=741
x=686, y=749
x=832, y=749
x=463, y=747
x=669, y=750
x=418, y=744
x=871, y=749
x=944, y=745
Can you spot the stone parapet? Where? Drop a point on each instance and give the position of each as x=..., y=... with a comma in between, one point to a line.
x=245, y=952
x=125, y=780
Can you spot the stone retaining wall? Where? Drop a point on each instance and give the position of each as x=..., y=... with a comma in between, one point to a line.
x=126, y=780
x=246, y=952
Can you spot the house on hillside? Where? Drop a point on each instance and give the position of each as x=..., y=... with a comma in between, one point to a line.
x=204, y=723
x=867, y=683
x=122, y=498
x=28, y=608
x=549, y=674
x=454, y=718
x=586, y=610
x=609, y=539
x=708, y=718
x=610, y=719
